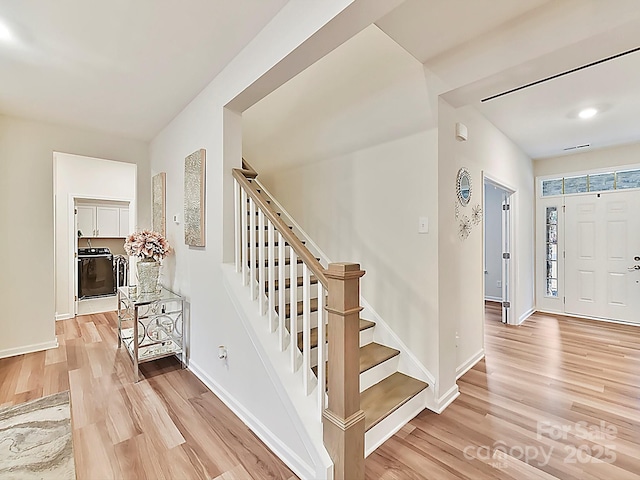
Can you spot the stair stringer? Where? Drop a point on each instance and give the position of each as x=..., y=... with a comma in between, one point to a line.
x=408, y=362
x=303, y=409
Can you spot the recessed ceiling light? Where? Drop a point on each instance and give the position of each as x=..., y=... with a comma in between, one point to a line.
x=5, y=33
x=587, y=113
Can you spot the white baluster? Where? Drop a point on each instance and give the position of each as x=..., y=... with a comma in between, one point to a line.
x=272, y=275
x=238, y=232
x=293, y=308
x=321, y=343
x=262, y=260
x=281, y=291
x=244, y=241
x=306, y=329
x=252, y=249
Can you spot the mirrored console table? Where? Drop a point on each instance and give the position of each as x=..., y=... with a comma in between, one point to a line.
x=150, y=325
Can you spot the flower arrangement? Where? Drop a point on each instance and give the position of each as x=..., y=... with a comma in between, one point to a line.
x=147, y=245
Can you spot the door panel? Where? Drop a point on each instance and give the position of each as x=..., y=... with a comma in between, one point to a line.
x=602, y=238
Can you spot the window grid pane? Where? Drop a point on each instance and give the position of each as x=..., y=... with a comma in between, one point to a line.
x=602, y=182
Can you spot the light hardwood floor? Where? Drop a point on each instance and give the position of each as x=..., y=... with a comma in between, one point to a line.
x=550, y=372
x=167, y=426
x=541, y=387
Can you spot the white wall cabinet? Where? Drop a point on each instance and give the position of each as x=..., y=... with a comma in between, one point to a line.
x=102, y=221
x=124, y=222
x=86, y=221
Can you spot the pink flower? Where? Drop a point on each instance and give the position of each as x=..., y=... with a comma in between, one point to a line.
x=147, y=244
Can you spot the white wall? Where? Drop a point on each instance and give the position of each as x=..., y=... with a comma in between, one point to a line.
x=493, y=242
x=361, y=207
x=26, y=213
x=359, y=150
x=461, y=272
x=269, y=60
x=77, y=176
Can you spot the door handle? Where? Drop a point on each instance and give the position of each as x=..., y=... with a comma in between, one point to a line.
x=635, y=267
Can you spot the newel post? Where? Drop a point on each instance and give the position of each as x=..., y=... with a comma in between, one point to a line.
x=343, y=421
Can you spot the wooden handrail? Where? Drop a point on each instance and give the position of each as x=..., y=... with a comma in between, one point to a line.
x=302, y=252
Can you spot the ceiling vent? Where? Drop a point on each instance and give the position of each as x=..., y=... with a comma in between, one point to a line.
x=577, y=147
x=562, y=74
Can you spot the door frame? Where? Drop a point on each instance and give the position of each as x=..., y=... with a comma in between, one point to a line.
x=511, y=289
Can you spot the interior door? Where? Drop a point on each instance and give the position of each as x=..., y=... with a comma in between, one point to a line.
x=602, y=238
x=506, y=257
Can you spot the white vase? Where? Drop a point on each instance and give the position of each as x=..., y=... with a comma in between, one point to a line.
x=148, y=273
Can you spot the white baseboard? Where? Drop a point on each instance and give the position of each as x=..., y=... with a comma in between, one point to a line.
x=12, y=352
x=447, y=399
x=493, y=299
x=63, y=316
x=526, y=315
x=293, y=461
x=469, y=364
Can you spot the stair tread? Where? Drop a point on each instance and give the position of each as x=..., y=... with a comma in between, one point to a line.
x=388, y=395
x=364, y=325
x=374, y=354
x=275, y=244
x=287, y=283
x=287, y=261
x=287, y=309
x=371, y=354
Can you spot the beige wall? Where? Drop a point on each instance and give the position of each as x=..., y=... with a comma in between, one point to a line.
x=364, y=207
x=591, y=160
x=26, y=219
x=461, y=262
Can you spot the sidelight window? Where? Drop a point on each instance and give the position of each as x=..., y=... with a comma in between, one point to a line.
x=552, y=251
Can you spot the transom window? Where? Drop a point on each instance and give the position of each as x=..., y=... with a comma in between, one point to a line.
x=597, y=182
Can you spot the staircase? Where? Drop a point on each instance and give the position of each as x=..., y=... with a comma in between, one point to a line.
x=297, y=296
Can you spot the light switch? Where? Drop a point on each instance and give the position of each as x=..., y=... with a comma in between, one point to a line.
x=176, y=219
x=423, y=225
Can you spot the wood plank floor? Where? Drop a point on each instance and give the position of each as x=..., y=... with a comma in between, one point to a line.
x=167, y=426
x=518, y=416
x=557, y=397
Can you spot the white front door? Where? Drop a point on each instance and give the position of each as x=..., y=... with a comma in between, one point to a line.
x=602, y=238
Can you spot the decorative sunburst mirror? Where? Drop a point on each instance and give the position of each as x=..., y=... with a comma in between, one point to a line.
x=463, y=186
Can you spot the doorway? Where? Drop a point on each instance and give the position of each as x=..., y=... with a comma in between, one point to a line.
x=602, y=252
x=498, y=248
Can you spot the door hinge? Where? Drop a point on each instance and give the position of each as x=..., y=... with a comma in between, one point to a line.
x=75, y=297
x=506, y=256
x=564, y=208
x=506, y=207
x=75, y=211
x=506, y=304
x=564, y=254
x=564, y=299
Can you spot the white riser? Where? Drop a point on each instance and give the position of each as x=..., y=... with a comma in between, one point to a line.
x=379, y=434
x=366, y=336
x=378, y=373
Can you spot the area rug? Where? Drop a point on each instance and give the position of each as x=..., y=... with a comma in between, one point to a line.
x=35, y=440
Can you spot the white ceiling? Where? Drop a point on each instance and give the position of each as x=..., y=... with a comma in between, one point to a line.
x=129, y=67
x=120, y=66
x=490, y=46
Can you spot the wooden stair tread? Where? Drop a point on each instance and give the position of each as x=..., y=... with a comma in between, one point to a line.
x=287, y=261
x=374, y=354
x=275, y=244
x=287, y=283
x=287, y=311
x=364, y=325
x=266, y=227
x=388, y=395
x=371, y=354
